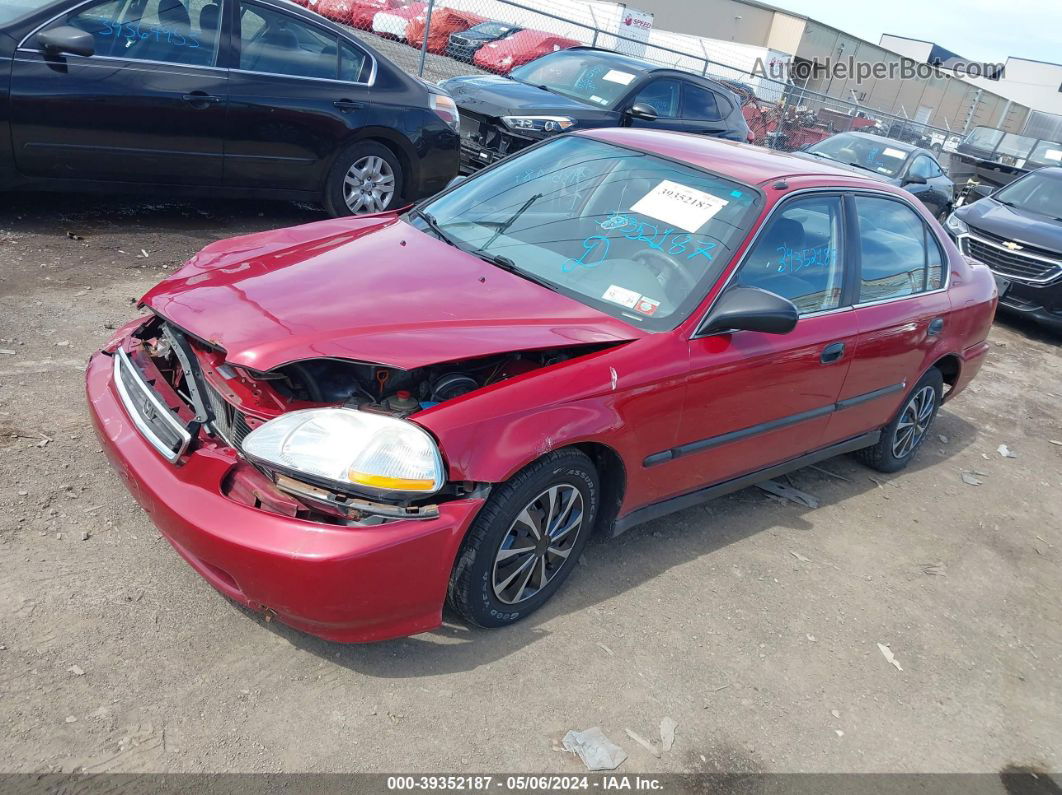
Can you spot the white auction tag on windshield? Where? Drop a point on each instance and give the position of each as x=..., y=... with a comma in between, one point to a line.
x=1054, y=154
x=616, y=76
x=622, y=296
x=890, y=152
x=681, y=205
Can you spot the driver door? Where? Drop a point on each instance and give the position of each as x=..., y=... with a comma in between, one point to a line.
x=757, y=399
x=148, y=106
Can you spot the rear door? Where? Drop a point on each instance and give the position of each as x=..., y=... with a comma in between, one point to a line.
x=148, y=106
x=901, y=308
x=297, y=89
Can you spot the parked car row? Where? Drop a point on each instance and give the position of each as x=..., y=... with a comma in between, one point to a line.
x=344, y=424
x=489, y=44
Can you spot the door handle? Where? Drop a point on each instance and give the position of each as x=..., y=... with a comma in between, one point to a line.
x=936, y=325
x=201, y=98
x=832, y=353
x=347, y=105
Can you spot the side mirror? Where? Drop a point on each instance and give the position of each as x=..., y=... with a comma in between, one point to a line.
x=67, y=40
x=456, y=181
x=750, y=309
x=640, y=110
x=914, y=179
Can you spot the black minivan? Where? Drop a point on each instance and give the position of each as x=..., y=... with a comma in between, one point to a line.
x=221, y=97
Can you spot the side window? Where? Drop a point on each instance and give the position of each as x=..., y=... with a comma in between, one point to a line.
x=276, y=43
x=797, y=255
x=354, y=64
x=922, y=166
x=701, y=104
x=896, y=250
x=663, y=96
x=169, y=31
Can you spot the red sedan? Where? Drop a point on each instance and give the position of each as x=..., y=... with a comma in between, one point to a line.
x=350, y=423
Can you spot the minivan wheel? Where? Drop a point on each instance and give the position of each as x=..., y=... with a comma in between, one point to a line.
x=525, y=540
x=365, y=178
x=902, y=437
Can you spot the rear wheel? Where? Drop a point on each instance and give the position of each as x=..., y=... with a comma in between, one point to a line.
x=365, y=178
x=902, y=437
x=525, y=540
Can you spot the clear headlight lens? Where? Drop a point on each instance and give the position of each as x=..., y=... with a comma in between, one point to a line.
x=543, y=124
x=351, y=448
x=955, y=224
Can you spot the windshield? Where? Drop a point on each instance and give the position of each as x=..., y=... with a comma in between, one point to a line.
x=495, y=29
x=1046, y=153
x=634, y=235
x=881, y=157
x=1034, y=192
x=586, y=76
x=984, y=137
x=11, y=10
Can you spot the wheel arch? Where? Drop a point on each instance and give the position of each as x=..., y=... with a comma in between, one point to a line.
x=950, y=366
x=396, y=144
x=612, y=474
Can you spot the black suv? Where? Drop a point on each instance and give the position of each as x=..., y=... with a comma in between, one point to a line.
x=582, y=88
x=1017, y=232
x=235, y=97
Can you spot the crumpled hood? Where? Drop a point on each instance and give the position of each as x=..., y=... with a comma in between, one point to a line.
x=1026, y=227
x=371, y=289
x=492, y=95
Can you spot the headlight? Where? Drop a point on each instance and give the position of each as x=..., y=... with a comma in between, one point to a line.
x=446, y=109
x=542, y=124
x=352, y=449
x=955, y=224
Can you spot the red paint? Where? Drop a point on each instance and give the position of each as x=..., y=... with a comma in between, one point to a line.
x=349, y=288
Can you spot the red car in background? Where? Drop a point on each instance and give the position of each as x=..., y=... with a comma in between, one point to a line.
x=349, y=423
x=504, y=55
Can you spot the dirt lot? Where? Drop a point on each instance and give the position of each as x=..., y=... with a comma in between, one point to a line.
x=753, y=623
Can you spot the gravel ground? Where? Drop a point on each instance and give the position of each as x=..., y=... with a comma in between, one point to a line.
x=755, y=624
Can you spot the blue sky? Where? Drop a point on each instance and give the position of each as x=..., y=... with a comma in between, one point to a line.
x=982, y=30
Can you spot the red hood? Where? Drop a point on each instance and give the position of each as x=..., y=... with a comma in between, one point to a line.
x=369, y=289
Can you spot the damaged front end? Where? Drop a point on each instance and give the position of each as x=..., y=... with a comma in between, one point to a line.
x=293, y=428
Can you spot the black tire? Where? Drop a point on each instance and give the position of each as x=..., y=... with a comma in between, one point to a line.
x=891, y=454
x=334, y=199
x=472, y=591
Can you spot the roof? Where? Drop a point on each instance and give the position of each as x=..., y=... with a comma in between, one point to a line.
x=750, y=164
x=904, y=145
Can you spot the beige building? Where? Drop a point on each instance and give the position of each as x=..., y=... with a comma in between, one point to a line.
x=939, y=99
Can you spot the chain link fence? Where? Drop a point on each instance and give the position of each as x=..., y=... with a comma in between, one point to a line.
x=438, y=39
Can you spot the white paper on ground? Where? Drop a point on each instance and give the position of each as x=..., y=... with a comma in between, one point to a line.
x=680, y=205
x=595, y=749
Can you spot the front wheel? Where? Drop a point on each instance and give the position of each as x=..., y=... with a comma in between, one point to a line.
x=526, y=540
x=902, y=437
x=365, y=178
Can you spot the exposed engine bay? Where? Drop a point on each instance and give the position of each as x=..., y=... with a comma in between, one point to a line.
x=400, y=392
x=222, y=403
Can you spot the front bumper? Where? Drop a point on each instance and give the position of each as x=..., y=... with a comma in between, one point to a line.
x=484, y=141
x=349, y=584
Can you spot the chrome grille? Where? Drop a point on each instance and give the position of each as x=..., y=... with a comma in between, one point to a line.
x=1015, y=264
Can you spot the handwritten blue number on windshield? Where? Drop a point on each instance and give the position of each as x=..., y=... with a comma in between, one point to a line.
x=599, y=242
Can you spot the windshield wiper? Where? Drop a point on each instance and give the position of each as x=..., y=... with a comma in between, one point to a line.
x=865, y=168
x=433, y=225
x=506, y=264
x=503, y=228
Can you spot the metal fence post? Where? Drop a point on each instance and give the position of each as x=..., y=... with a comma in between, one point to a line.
x=424, y=42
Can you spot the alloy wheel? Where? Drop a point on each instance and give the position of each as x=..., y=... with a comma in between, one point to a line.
x=369, y=185
x=538, y=543
x=914, y=421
